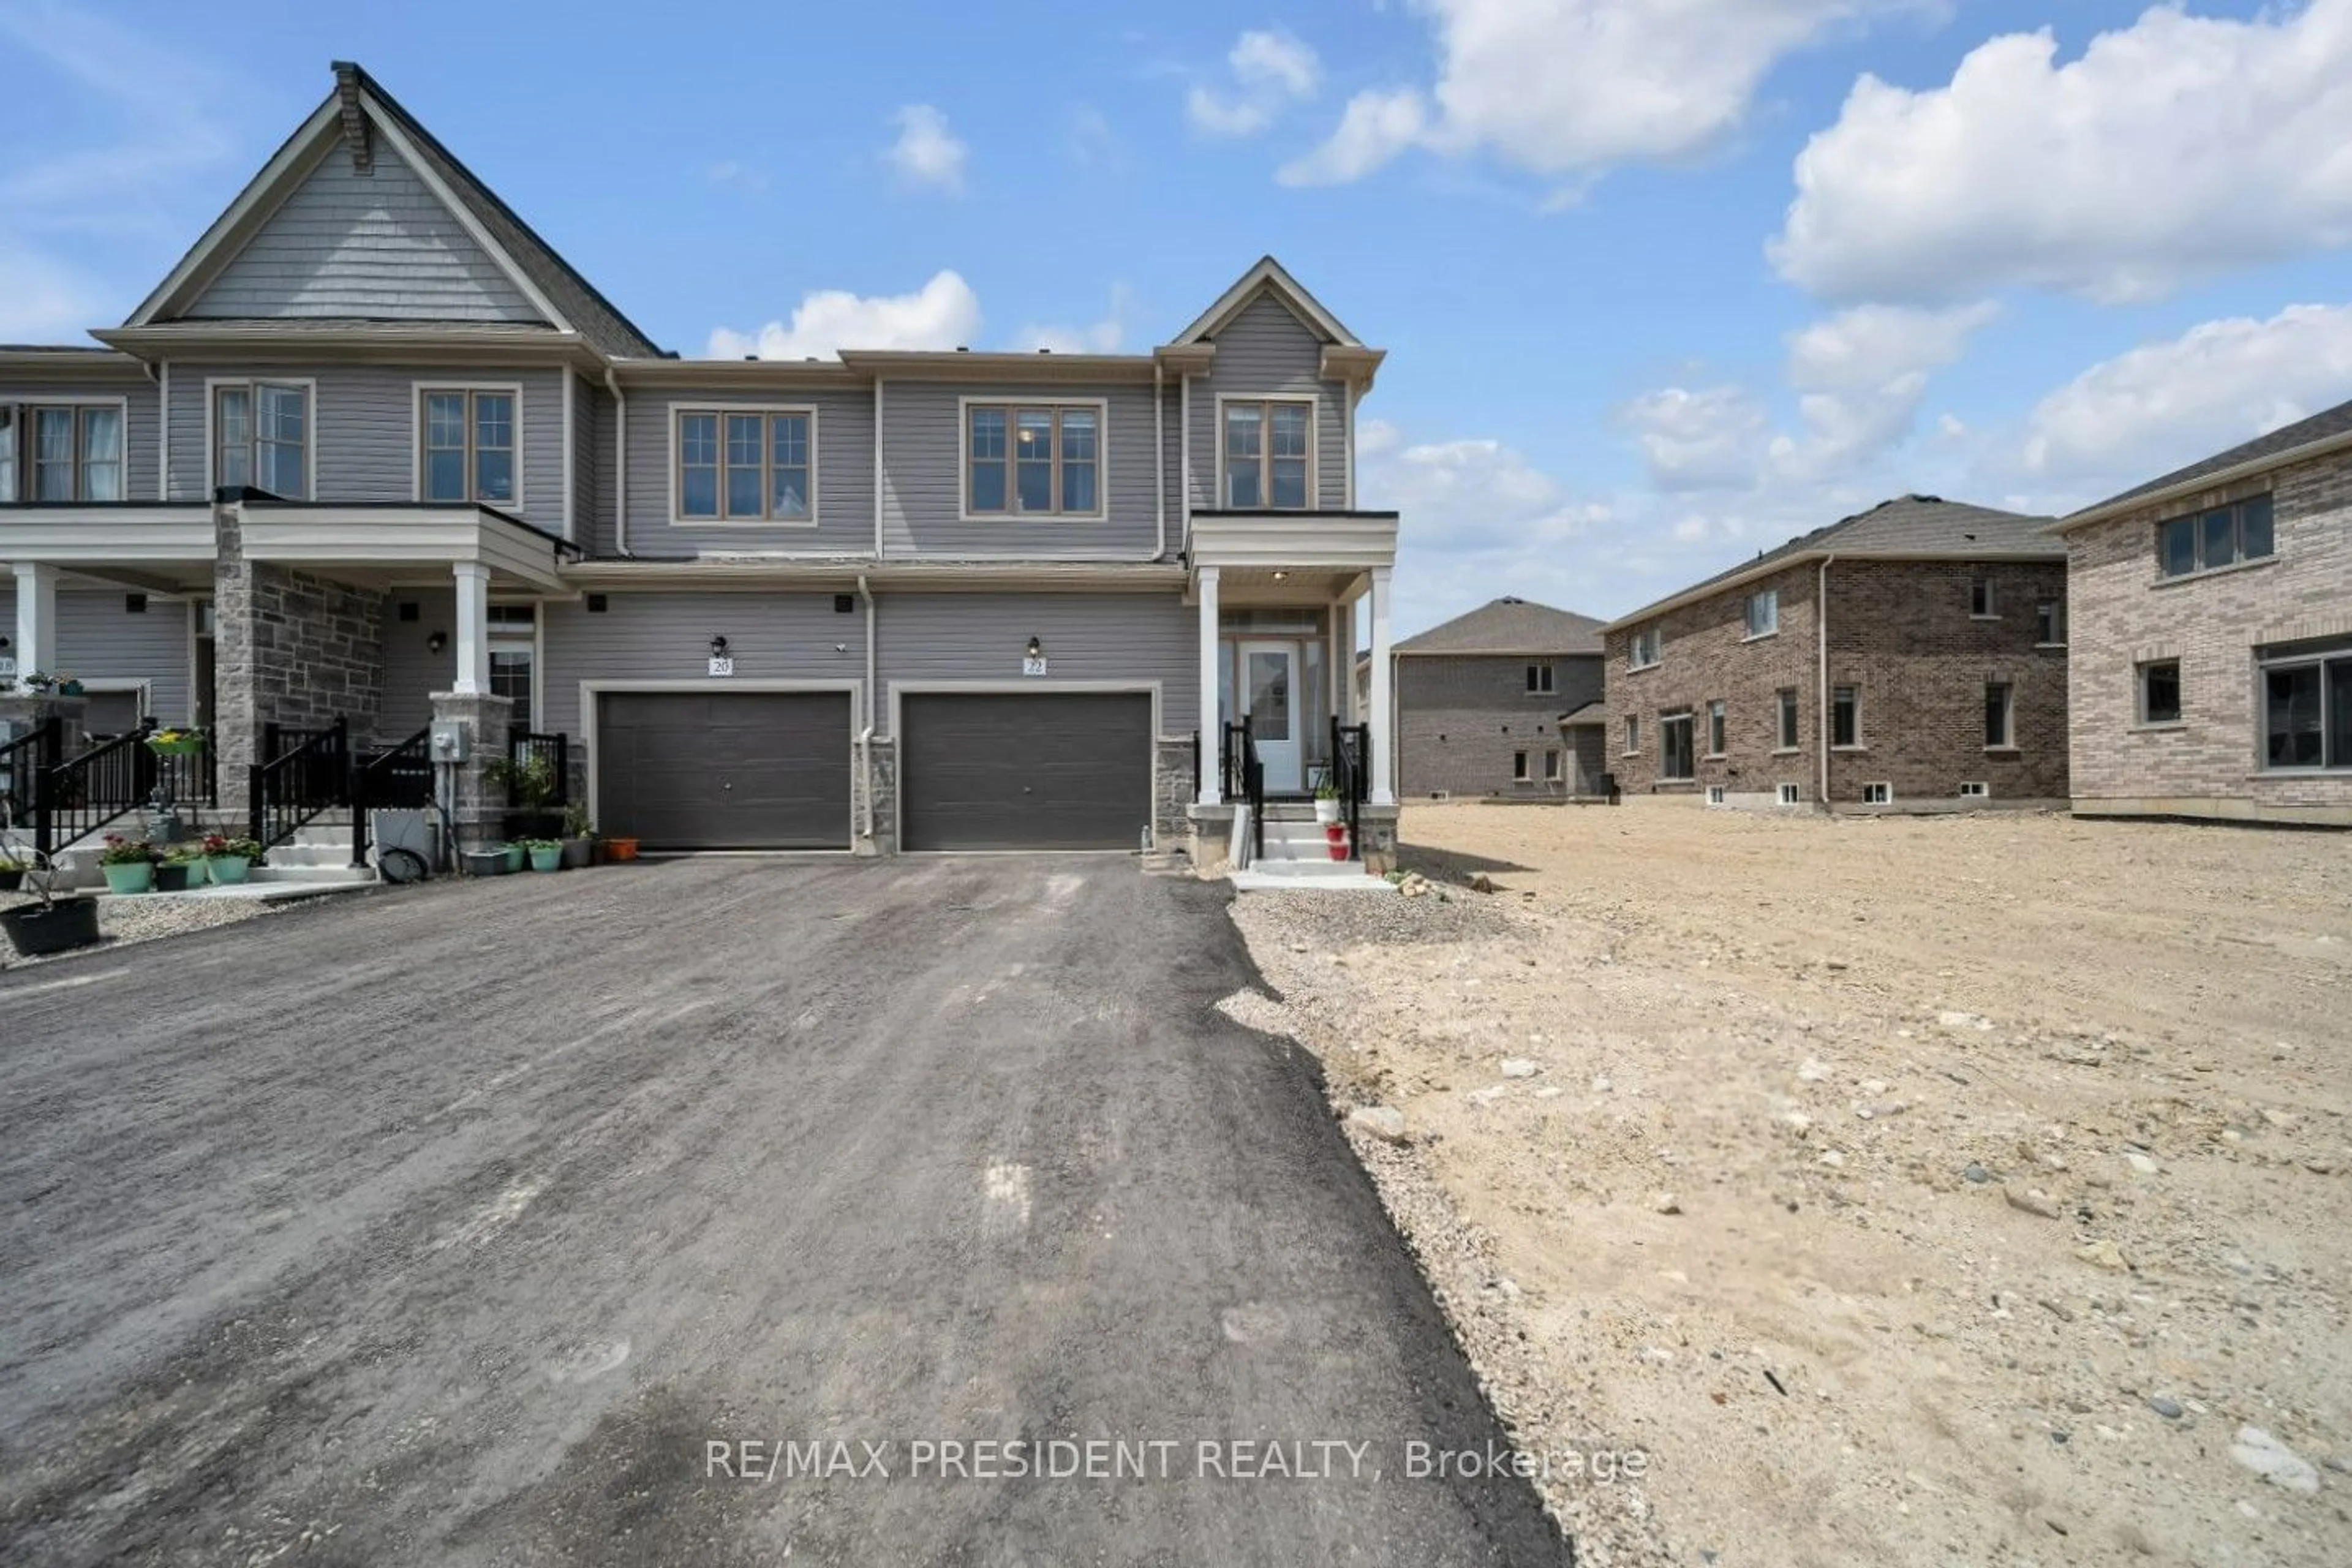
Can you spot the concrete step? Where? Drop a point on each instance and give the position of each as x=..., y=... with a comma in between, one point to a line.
x=274, y=873
x=324, y=852
x=1331, y=876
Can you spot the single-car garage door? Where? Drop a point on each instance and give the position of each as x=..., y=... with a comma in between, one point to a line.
x=751, y=770
x=1064, y=770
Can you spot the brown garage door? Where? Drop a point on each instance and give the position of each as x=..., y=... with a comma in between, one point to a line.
x=754, y=770
x=1014, y=771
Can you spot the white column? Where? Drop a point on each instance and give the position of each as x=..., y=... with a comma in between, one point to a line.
x=1211, y=720
x=36, y=637
x=1383, y=745
x=473, y=629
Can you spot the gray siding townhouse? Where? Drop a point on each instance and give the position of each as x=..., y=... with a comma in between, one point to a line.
x=1481, y=701
x=373, y=452
x=2212, y=665
x=1910, y=658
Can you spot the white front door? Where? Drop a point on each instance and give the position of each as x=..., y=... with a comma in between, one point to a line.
x=1269, y=686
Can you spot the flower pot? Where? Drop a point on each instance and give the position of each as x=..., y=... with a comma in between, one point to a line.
x=620, y=848
x=70, y=688
x=12, y=880
x=577, y=853
x=226, y=870
x=1326, y=812
x=173, y=875
x=514, y=853
x=185, y=746
x=485, y=862
x=550, y=859
x=132, y=877
x=1336, y=836
x=35, y=930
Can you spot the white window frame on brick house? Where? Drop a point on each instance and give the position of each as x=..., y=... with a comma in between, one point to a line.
x=1539, y=680
x=1645, y=649
x=1983, y=604
x=1847, y=698
x=1787, y=715
x=1879, y=793
x=1763, y=615
x=1975, y=791
x=768, y=413
x=253, y=385
x=1788, y=794
x=2142, y=715
x=1633, y=735
x=1265, y=458
x=2233, y=531
x=422, y=447
x=1717, y=728
x=2329, y=666
x=2000, y=725
x=1714, y=795
x=2049, y=624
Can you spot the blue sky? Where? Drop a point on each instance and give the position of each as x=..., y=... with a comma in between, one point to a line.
x=1664, y=281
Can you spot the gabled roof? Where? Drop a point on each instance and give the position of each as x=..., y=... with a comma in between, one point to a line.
x=358, y=108
x=1508, y=625
x=2323, y=432
x=1268, y=276
x=1907, y=527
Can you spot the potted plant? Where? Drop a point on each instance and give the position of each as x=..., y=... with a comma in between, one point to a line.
x=516, y=854
x=69, y=686
x=129, y=865
x=48, y=924
x=579, y=836
x=531, y=785
x=619, y=848
x=488, y=861
x=1327, y=803
x=546, y=854
x=183, y=867
x=12, y=874
x=227, y=861
x=176, y=742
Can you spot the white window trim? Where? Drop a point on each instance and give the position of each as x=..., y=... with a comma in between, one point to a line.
x=1544, y=681
x=1519, y=774
x=1714, y=795
x=1787, y=795
x=23, y=433
x=310, y=385
x=1630, y=736
x=1885, y=792
x=512, y=639
x=1746, y=613
x=1860, y=742
x=1974, y=791
x=1708, y=715
x=680, y=407
x=1992, y=612
x=964, y=405
x=1314, y=451
x=2008, y=743
x=417, y=391
x=1633, y=661
x=1679, y=716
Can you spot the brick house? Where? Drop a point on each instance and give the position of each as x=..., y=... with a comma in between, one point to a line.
x=1910, y=658
x=1479, y=701
x=2212, y=676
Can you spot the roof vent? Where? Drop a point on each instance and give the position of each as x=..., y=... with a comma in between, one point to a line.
x=963, y=348
x=1507, y=599
x=1928, y=500
x=750, y=359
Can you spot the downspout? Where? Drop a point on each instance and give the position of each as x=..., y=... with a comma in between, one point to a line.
x=1159, y=460
x=865, y=735
x=620, y=462
x=1822, y=629
x=1184, y=454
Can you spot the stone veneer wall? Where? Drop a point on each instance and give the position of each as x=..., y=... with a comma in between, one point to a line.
x=290, y=648
x=1172, y=793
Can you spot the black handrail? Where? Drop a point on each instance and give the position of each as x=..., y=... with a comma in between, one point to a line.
x=82, y=794
x=308, y=773
x=187, y=777
x=1352, y=773
x=525, y=746
x=1244, y=779
x=21, y=762
x=400, y=777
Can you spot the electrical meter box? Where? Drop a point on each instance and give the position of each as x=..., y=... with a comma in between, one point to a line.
x=450, y=742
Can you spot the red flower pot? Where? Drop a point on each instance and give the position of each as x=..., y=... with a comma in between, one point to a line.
x=1336, y=836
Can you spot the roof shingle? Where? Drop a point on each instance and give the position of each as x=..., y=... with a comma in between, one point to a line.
x=2336, y=421
x=1511, y=626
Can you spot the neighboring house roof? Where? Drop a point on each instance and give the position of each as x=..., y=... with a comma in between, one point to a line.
x=1509, y=626
x=358, y=106
x=1591, y=714
x=2322, y=433
x=1907, y=527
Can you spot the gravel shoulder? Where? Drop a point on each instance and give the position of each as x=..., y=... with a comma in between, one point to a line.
x=1909, y=1191
x=124, y=921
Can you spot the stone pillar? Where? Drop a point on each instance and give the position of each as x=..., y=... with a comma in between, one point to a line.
x=26, y=712
x=474, y=808
x=1383, y=704
x=882, y=767
x=1172, y=789
x=237, y=698
x=473, y=629
x=1211, y=786
x=37, y=621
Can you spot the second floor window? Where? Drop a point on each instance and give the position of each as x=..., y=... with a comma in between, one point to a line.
x=1764, y=613
x=2223, y=537
x=469, y=446
x=746, y=467
x=1539, y=679
x=262, y=438
x=1265, y=456
x=73, y=453
x=1645, y=650
x=1042, y=460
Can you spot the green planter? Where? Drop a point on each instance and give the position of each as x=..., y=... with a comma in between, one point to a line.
x=136, y=876
x=514, y=853
x=226, y=870
x=548, y=859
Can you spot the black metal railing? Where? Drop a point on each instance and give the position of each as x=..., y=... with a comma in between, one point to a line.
x=1242, y=778
x=21, y=762
x=86, y=792
x=1352, y=773
x=190, y=776
x=528, y=749
x=306, y=773
x=397, y=778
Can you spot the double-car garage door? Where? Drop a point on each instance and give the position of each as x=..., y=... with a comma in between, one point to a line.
x=976, y=770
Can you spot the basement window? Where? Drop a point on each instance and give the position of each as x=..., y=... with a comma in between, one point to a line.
x=1788, y=794
x=1878, y=795
x=1976, y=792
x=1714, y=795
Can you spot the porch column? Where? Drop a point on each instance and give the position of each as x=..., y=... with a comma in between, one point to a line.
x=35, y=635
x=1211, y=721
x=1383, y=744
x=473, y=629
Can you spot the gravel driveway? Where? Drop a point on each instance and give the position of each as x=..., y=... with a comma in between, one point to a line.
x=485, y=1224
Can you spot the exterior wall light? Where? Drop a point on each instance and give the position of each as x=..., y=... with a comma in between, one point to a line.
x=718, y=647
x=1036, y=648
x=437, y=642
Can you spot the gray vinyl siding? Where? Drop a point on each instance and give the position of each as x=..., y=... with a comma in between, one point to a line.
x=98, y=640
x=922, y=479
x=1266, y=351
x=586, y=451
x=843, y=483
x=379, y=246
x=363, y=422
x=140, y=406
x=412, y=671
x=1085, y=636
x=597, y=535
x=662, y=636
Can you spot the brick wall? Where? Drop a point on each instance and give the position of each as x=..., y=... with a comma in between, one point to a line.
x=2126, y=614
x=1902, y=632
x=1461, y=717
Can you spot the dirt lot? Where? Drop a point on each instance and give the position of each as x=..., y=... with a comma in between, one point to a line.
x=1907, y=1191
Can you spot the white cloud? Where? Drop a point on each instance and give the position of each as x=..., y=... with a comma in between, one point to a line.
x=927, y=152
x=1704, y=438
x=1861, y=376
x=1574, y=86
x=1270, y=71
x=2165, y=405
x=943, y=314
x=1101, y=337
x=2174, y=149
